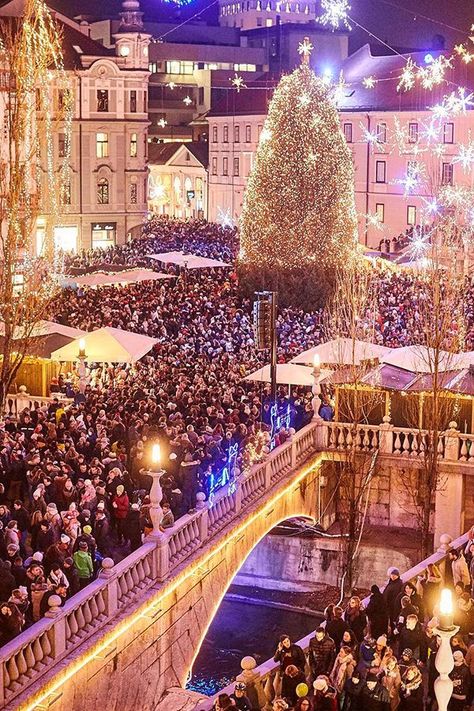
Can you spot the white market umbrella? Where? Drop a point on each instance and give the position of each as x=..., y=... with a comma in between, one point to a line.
x=419, y=359
x=108, y=345
x=129, y=276
x=286, y=374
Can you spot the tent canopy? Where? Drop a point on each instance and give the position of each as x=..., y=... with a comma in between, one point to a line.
x=108, y=345
x=190, y=261
x=340, y=352
x=286, y=374
x=420, y=359
x=130, y=276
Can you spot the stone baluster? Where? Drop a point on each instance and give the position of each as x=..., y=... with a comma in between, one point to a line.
x=111, y=600
x=463, y=456
x=406, y=444
x=203, y=519
x=252, y=680
x=451, y=450
x=397, y=444
x=58, y=630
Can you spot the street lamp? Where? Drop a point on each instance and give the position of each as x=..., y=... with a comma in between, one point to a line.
x=444, y=661
x=82, y=365
x=316, y=385
x=156, y=493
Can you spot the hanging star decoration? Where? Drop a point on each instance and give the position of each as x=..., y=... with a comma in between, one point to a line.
x=187, y=100
x=408, y=76
x=171, y=85
x=238, y=83
x=465, y=156
x=304, y=49
x=340, y=89
x=335, y=14
x=369, y=82
x=162, y=122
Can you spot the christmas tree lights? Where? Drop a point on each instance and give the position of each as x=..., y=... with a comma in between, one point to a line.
x=299, y=219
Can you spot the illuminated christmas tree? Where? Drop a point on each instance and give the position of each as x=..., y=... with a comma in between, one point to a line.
x=299, y=219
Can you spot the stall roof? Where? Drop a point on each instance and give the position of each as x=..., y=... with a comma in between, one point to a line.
x=419, y=359
x=286, y=374
x=339, y=352
x=108, y=345
x=190, y=261
x=130, y=276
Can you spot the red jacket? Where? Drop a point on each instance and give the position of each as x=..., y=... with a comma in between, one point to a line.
x=120, y=505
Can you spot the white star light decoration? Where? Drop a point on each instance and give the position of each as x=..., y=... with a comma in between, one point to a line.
x=369, y=82
x=305, y=48
x=465, y=156
x=335, y=14
x=162, y=122
x=187, y=100
x=238, y=83
x=224, y=217
x=171, y=85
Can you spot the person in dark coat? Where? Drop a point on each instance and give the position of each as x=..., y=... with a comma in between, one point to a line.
x=288, y=653
x=336, y=627
x=132, y=527
x=325, y=696
x=374, y=696
x=352, y=692
x=102, y=533
x=290, y=680
x=391, y=593
x=412, y=636
x=70, y=571
x=7, y=581
x=189, y=482
x=321, y=653
x=44, y=537
x=377, y=613
x=356, y=617
x=11, y=622
x=461, y=678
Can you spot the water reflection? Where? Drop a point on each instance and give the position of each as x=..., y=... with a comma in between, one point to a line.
x=237, y=630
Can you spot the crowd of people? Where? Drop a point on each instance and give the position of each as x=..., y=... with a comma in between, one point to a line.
x=379, y=656
x=73, y=475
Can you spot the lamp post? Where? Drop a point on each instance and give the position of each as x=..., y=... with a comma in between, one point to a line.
x=444, y=660
x=156, y=493
x=316, y=385
x=82, y=365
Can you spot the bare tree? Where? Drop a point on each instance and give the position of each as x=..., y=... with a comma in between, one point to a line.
x=37, y=102
x=350, y=318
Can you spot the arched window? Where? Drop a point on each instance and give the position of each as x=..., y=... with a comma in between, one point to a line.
x=103, y=192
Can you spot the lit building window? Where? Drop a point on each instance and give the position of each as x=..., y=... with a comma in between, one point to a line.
x=381, y=133
x=447, y=174
x=248, y=133
x=133, y=193
x=66, y=193
x=380, y=171
x=411, y=215
x=214, y=134
x=225, y=166
x=102, y=145
x=380, y=212
x=448, y=133
x=236, y=167
x=133, y=101
x=413, y=132
x=348, y=132
x=103, y=192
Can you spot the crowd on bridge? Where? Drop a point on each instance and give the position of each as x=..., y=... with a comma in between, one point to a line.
x=377, y=656
x=73, y=481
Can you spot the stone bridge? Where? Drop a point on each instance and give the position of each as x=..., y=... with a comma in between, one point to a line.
x=135, y=631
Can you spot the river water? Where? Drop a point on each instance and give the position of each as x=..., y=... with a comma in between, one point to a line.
x=241, y=629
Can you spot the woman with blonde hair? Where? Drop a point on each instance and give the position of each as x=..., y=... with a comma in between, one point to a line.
x=343, y=668
x=392, y=680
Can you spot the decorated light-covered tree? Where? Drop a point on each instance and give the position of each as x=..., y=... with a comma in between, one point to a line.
x=299, y=220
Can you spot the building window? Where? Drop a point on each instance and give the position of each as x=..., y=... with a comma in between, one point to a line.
x=200, y=95
x=152, y=67
x=259, y=131
x=102, y=145
x=103, y=192
x=214, y=165
x=226, y=134
x=102, y=100
x=380, y=171
x=134, y=193
x=225, y=166
x=236, y=134
x=133, y=101
x=413, y=132
x=348, y=132
x=248, y=133
x=177, y=67
x=66, y=193
x=236, y=167
x=411, y=215
x=133, y=145
x=447, y=174
x=381, y=133
x=214, y=134
x=63, y=98
x=62, y=145
x=145, y=102
x=380, y=212
x=103, y=234
x=448, y=133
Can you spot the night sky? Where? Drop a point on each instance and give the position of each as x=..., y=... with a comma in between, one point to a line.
x=394, y=21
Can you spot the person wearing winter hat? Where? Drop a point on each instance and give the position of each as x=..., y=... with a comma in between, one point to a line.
x=241, y=701
x=132, y=527
x=56, y=553
x=391, y=592
x=411, y=690
x=83, y=563
x=374, y=696
x=325, y=696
